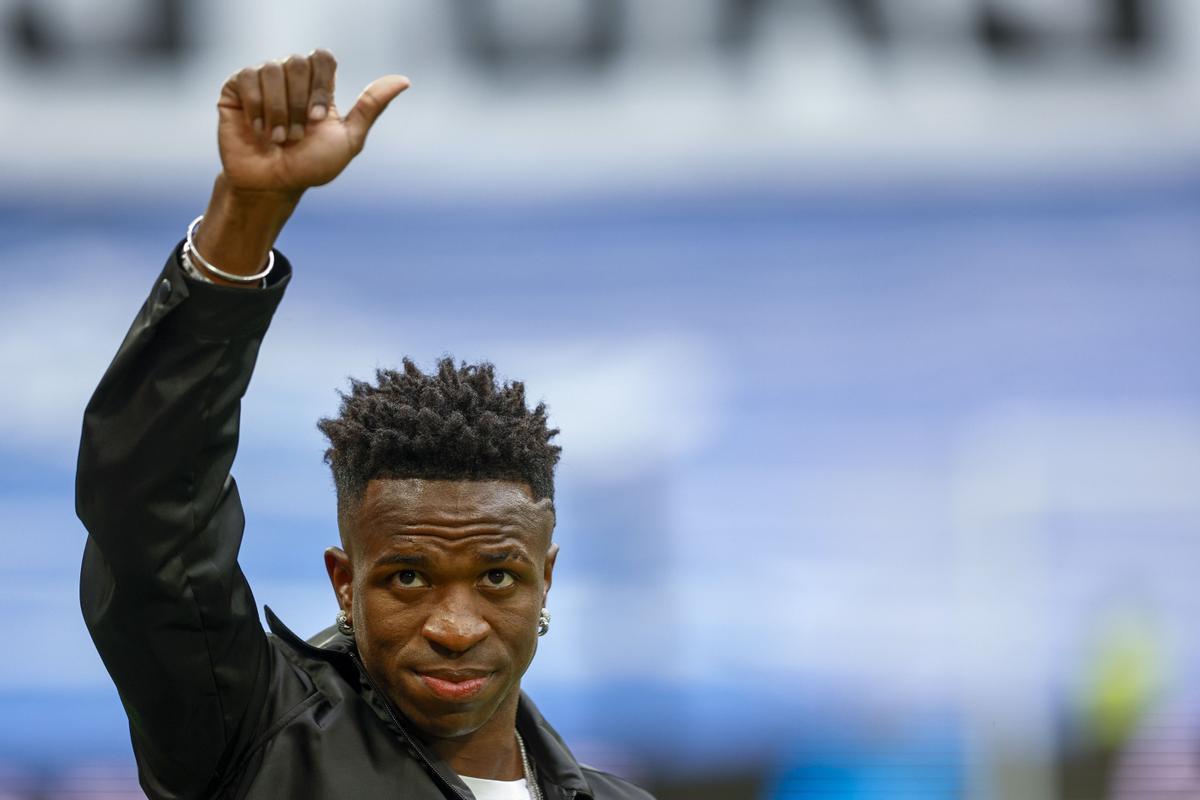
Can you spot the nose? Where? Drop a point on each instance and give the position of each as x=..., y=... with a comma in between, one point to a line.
x=455, y=626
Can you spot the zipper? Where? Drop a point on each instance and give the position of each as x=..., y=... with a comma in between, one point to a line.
x=387, y=705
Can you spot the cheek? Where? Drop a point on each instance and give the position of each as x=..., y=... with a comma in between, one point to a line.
x=386, y=622
x=517, y=626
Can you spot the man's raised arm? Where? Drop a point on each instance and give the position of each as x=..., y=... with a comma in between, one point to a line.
x=161, y=590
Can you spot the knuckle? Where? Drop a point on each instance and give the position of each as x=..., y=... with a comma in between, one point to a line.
x=371, y=102
x=272, y=69
x=296, y=63
x=247, y=82
x=323, y=55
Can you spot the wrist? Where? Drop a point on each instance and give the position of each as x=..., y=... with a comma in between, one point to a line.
x=240, y=227
x=258, y=199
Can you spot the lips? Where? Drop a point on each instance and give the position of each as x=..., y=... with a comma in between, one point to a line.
x=455, y=685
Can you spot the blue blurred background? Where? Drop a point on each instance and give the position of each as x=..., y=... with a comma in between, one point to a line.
x=870, y=326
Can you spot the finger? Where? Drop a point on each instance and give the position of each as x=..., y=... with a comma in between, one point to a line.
x=296, y=71
x=371, y=103
x=274, y=99
x=250, y=94
x=324, y=71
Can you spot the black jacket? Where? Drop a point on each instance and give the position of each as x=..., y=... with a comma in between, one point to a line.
x=217, y=708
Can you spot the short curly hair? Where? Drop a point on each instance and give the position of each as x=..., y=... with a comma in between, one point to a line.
x=456, y=423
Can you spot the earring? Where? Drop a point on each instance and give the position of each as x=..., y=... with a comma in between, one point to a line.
x=344, y=625
x=544, y=622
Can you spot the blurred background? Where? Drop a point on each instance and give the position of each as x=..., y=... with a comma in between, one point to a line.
x=870, y=326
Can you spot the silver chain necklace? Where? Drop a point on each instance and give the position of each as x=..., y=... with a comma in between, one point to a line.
x=535, y=791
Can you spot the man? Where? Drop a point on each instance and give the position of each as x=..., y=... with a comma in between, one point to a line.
x=444, y=492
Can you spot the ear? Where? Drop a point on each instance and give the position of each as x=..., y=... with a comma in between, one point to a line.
x=341, y=576
x=548, y=575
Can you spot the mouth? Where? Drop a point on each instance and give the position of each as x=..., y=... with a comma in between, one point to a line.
x=455, y=685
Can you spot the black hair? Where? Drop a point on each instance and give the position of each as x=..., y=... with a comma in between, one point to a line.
x=456, y=423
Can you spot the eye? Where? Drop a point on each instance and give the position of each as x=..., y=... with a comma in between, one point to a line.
x=410, y=579
x=498, y=579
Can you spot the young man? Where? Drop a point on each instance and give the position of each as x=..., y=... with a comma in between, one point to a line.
x=444, y=490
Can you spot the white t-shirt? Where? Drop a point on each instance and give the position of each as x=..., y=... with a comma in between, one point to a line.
x=484, y=789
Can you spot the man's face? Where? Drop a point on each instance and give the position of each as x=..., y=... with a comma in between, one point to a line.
x=444, y=581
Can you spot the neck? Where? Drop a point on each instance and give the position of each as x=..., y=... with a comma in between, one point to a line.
x=489, y=752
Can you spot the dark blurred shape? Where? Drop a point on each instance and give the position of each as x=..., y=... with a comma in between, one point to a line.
x=868, y=19
x=159, y=34
x=741, y=20
x=1002, y=33
x=707, y=787
x=166, y=36
x=1005, y=29
x=28, y=32
x=1123, y=25
x=484, y=40
x=1083, y=772
x=1130, y=27
x=738, y=24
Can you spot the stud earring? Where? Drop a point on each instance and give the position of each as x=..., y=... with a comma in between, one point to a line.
x=344, y=625
x=543, y=623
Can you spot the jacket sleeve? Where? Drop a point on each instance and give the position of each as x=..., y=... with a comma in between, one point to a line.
x=161, y=590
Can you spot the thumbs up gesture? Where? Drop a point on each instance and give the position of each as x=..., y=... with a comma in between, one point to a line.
x=280, y=130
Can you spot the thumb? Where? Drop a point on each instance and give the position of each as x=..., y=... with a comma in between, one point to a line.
x=370, y=104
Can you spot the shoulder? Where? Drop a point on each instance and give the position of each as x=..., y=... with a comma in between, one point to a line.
x=606, y=786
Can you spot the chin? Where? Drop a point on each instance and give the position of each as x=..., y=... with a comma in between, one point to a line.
x=445, y=724
x=444, y=719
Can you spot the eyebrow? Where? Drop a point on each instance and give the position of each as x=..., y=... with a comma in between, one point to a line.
x=410, y=559
x=417, y=560
x=507, y=555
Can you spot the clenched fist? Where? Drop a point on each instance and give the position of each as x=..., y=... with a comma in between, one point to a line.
x=279, y=128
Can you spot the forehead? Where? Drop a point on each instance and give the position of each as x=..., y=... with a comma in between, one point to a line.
x=450, y=510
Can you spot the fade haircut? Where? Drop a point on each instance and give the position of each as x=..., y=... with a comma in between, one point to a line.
x=454, y=424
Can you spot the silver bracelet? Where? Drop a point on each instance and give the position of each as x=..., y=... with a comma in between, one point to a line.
x=229, y=276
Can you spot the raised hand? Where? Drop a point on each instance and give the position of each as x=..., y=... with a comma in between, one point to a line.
x=279, y=133
x=279, y=128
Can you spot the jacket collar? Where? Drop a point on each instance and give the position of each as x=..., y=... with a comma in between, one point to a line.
x=547, y=750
